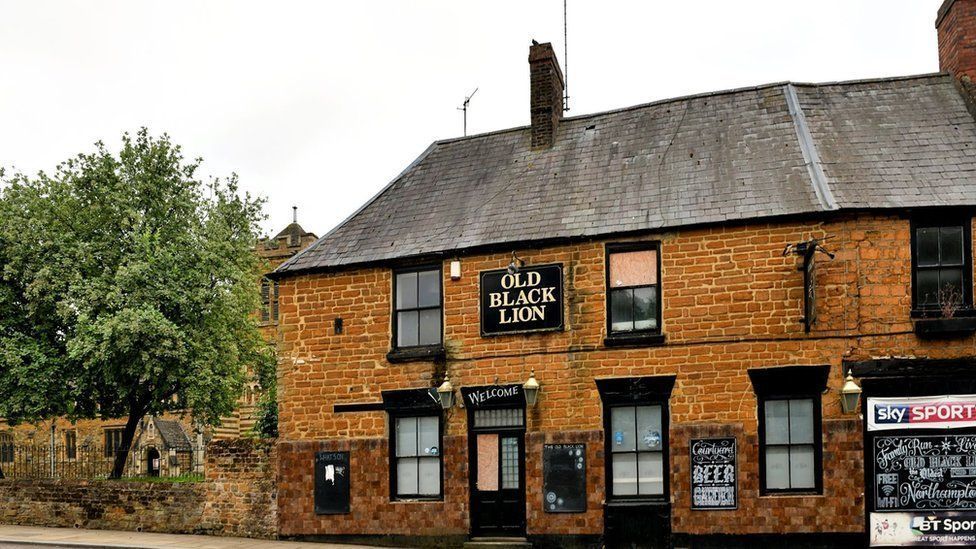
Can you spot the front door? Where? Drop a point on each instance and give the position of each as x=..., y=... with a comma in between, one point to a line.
x=152, y=462
x=497, y=446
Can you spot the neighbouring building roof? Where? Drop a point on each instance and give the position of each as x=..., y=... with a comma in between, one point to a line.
x=172, y=434
x=773, y=150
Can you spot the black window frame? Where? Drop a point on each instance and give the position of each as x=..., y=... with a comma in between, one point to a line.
x=394, y=416
x=270, y=293
x=636, y=392
x=394, y=317
x=785, y=383
x=939, y=220
x=645, y=336
x=817, y=443
x=110, y=434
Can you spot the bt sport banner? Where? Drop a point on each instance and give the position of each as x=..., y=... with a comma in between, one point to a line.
x=931, y=412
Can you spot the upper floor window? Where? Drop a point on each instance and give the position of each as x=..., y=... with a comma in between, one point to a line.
x=416, y=446
x=941, y=257
x=269, y=300
x=417, y=314
x=634, y=290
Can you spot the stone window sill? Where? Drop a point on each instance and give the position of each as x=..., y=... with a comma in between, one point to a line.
x=634, y=340
x=414, y=354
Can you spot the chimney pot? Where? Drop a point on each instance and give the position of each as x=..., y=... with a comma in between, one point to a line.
x=545, y=94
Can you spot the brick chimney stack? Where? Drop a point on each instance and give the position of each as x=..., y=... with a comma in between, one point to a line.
x=546, y=91
x=956, y=26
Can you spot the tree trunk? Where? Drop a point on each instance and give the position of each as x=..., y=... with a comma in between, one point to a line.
x=122, y=453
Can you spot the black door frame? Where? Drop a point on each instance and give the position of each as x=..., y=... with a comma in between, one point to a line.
x=474, y=504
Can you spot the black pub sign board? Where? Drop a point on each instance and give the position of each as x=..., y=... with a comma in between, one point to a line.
x=530, y=300
x=713, y=474
x=331, y=483
x=564, y=478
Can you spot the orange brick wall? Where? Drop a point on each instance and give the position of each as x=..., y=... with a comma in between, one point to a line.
x=731, y=301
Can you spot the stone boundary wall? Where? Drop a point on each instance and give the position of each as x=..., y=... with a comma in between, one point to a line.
x=237, y=498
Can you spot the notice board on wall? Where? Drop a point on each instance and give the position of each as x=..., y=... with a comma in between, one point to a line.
x=331, y=483
x=713, y=474
x=564, y=478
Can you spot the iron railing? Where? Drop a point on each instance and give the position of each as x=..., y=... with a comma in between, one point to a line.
x=92, y=461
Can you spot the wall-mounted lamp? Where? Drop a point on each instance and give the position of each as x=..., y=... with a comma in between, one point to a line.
x=446, y=393
x=515, y=264
x=850, y=394
x=456, y=269
x=531, y=388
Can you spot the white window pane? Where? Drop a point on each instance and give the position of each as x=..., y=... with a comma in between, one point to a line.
x=801, y=467
x=406, y=432
x=430, y=289
x=649, y=433
x=406, y=289
x=777, y=422
x=650, y=466
x=407, y=476
x=430, y=327
x=407, y=325
x=430, y=477
x=428, y=436
x=510, y=463
x=801, y=421
x=633, y=268
x=645, y=308
x=625, y=475
x=622, y=423
x=777, y=467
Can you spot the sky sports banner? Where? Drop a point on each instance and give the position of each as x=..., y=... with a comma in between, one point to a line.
x=929, y=529
x=932, y=412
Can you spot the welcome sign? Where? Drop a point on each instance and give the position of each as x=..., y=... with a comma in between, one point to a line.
x=530, y=300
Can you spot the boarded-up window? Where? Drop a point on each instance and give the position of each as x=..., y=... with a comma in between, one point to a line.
x=634, y=291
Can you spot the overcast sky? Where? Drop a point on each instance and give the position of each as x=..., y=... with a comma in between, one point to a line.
x=319, y=104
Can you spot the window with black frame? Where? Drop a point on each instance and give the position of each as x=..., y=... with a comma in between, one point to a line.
x=416, y=446
x=790, y=444
x=113, y=441
x=634, y=301
x=942, y=273
x=637, y=443
x=417, y=317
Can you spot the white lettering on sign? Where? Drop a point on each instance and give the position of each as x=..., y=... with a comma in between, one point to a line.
x=480, y=397
x=521, y=300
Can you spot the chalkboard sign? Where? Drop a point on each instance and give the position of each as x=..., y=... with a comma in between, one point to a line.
x=713, y=474
x=331, y=483
x=934, y=472
x=564, y=478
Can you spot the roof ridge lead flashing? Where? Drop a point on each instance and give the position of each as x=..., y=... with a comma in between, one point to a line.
x=809, y=149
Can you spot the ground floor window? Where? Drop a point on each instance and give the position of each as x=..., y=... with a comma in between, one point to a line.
x=416, y=447
x=789, y=444
x=637, y=451
x=113, y=441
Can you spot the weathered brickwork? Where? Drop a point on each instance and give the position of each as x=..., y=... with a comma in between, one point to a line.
x=238, y=498
x=731, y=301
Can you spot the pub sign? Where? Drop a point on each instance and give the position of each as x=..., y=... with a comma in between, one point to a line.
x=529, y=300
x=713, y=474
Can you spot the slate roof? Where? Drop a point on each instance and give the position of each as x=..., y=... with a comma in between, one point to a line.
x=773, y=150
x=173, y=434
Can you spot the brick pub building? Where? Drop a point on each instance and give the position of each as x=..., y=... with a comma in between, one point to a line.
x=688, y=283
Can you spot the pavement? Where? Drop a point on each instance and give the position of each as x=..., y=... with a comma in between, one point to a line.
x=32, y=537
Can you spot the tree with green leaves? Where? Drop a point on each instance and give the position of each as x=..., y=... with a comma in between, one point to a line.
x=127, y=287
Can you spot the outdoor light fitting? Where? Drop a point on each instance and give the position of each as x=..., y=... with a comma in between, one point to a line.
x=516, y=264
x=446, y=394
x=850, y=394
x=531, y=388
x=456, y=269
